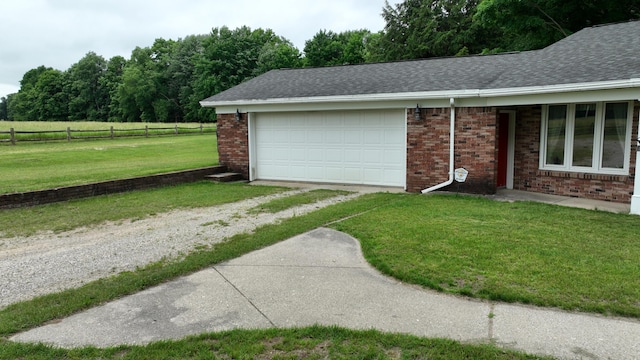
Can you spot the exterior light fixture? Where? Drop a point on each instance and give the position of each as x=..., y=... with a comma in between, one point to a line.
x=238, y=115
x=416, y=112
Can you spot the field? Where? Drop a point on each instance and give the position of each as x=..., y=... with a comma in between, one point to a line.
x=43, y=165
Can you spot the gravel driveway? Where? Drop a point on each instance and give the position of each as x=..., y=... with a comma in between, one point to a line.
x=46, y=263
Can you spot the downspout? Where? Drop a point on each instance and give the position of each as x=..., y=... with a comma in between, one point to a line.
x=635, y=199
x=451, y=149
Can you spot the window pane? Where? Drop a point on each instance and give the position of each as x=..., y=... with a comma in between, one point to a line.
x=615, y=134
x=556, y=128
x=583, y=135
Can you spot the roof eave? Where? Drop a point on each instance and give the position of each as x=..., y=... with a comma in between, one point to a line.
x=435, y=95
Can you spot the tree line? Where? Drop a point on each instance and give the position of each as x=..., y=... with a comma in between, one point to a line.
x=165, y=81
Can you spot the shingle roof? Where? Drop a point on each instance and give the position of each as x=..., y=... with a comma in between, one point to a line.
x=600, y=53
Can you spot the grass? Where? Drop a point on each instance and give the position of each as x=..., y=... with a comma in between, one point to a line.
x=304, y=343
x=307, y=197
x=73, y=214
x=37, y=166
x=515, y=252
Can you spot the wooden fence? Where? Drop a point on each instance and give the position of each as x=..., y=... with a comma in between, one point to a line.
x=12, y=136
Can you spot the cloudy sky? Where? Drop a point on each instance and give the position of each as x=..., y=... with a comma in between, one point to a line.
x=58, y=33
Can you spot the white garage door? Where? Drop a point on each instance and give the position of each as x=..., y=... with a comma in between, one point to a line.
x=355, y=147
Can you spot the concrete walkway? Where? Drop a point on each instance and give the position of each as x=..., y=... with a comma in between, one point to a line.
x=516, y=195
x=321, y=278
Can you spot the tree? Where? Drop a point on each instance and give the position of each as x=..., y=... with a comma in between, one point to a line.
x=109, y=82
x=50, y=99
x=4, y=108
x=88, y=98
x=181, y=75
x=327, y=48
x=533, y=24
x=373, y=50
x=230, y=57
x=278, y=54
x=23, y=105
x=10, y=102
x=136, y=92
x=430, y=28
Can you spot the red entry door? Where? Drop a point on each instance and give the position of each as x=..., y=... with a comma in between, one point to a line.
x=503, y=149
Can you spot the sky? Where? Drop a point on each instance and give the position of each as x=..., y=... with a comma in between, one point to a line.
x=58, y=33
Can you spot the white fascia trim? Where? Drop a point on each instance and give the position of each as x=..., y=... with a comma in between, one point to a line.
x=408, y=96
x=536, y=90
x=427, y=95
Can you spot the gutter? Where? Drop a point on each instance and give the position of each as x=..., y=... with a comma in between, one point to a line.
x=451, y=150
x=433, y=95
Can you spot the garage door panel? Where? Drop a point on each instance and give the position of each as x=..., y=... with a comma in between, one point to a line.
x=315, y=172
x=315, y=155
x=343, y=147
x=371, y=175
x=352, y=137
x=335, y=173
x=334, y=155
x=391, y=175
x=298, y=136
x=393, y=136
x=299, y=172
x=334, y=137
x=334, y=122
x=372, y=156
x=373, y=137
x=299, y=155
x=315, y=137
x=352, y=175
x=277, y=170
x=390, y=156
x=352, y=156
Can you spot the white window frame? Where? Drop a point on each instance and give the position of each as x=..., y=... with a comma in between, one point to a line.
x=597, y=144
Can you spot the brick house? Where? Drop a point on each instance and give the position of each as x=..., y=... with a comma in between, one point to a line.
x=561, y=120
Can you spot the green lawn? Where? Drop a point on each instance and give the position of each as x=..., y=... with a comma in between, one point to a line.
x=515, y=252
x=306, y=343
x=37, y=166
x=315, y=342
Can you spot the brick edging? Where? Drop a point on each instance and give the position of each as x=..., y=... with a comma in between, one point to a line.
x=32, y=198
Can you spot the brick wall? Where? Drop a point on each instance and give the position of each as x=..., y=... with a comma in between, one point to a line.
x=475, y=149
x=31, y=198
x=528, y=177
x=233, y=143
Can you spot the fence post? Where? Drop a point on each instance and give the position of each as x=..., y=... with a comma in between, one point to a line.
x=176, y=129
x=68, y=134
x=146, y=131
x=111, y=131
x=200, y=128
x=13, y=136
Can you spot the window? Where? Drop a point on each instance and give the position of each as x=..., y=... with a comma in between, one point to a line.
x=591, y=137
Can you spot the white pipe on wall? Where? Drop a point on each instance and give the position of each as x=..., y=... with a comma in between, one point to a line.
x=451, y=149
x=635, y=199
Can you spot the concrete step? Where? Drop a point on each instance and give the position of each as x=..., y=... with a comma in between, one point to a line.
x=225, y=177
